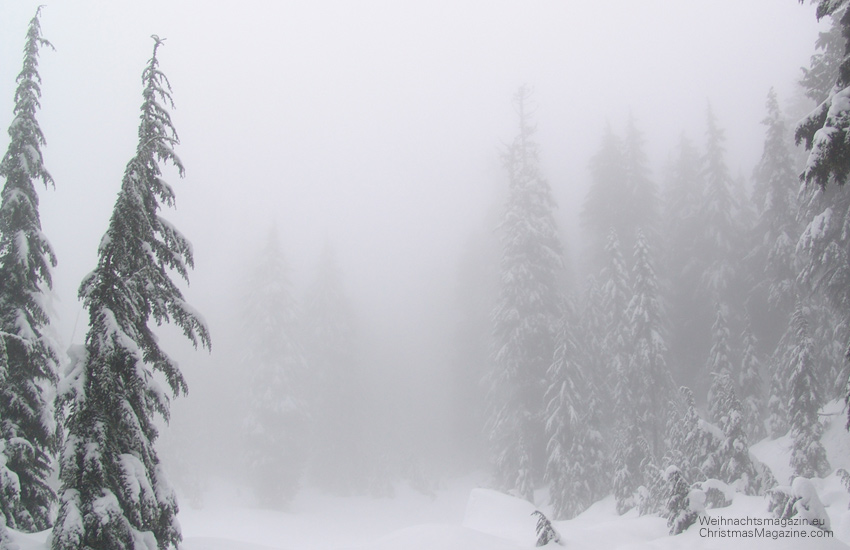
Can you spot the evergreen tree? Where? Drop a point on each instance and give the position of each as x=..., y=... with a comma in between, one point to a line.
x=622, y=197
x=819, y=79
x=648, y=373
x=823, y=251
x=641, y=192
x=526, y=315
x=337, y=454
x=716, y=217
x=577, y=460
x=824, y=130
x=606, y=206
x=720, y=357
x=681, y=511
x=615, y=294
x=30, y=362
x=114, y=493
x=823, y=247
x=276, y=424
x=690, y=313
x=695, y=443
x=749, y=382
x=775, y=191
x=808, y=457
x=726, y=411
x=631, y=453
x=780, y=374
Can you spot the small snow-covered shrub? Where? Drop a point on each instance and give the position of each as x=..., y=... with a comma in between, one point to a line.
x=717, y=493
x=684, y=504
x=546, y=533
x=799, y=500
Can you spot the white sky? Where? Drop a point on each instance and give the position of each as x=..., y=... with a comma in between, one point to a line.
x=376, y=125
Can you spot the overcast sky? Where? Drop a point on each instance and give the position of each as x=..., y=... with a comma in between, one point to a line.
x=376, y=126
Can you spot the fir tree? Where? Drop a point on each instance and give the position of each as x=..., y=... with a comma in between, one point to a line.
x=717, y=216
x=749, y=382
x=824, y=244
x=808, y=457
x=775, y=191
x=819, y=79
x=276, y=424
x=727, y=413
x=642, y=193
x=683, y=509
x=648, y=374
x=606, y=206
x=26, y=258
x=720, y=357
x=615, y=294
x=526, y=315
x=690, y=313
x=114, y=493
x=337, y=454
x=695, y=443
x=577, y=459
x=622, y=197
x=824, y=130
x=631, y=452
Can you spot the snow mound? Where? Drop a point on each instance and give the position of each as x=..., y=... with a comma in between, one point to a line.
x=442, y=537
x=205, y=543
x=502, y=516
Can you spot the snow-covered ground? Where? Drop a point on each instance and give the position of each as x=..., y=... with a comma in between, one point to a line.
x=464, y=515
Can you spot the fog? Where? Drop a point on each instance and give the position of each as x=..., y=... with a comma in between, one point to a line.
x=375, y=129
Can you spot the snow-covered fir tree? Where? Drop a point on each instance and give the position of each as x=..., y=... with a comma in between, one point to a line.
x=823, y=131
x=823, y=247
x=683, y=505
x=647, y=371
x=622, y=197
x=615, y=293
x=694, y=443
x=114, y=493
x=748, y=380
x=717, y=216
x=690, y=313
x=606, y=206
x=577, y=465
x=808, y=457
x=526, y=314
x=28, y=433
x=631, y=455
x=336, y=457
x=733, y=455
x=592, y=341
x=276, y=434
x=775, y=191
x=720, y=356
x=819, y=78
x=641, y=190
x=823, y=251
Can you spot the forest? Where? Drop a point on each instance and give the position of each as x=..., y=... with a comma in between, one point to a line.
x=642, y=330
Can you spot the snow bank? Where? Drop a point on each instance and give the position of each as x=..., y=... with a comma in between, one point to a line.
x=502, y=516
x=442, y=537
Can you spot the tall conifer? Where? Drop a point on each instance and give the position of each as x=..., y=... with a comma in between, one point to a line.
x=28, y=434
x=526, y=315
x=114, y=493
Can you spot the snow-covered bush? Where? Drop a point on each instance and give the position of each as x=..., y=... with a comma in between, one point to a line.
x=800, y=500
x=546, y=533
x=685, y=504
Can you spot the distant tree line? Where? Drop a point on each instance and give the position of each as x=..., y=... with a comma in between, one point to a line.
x=714, y=314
